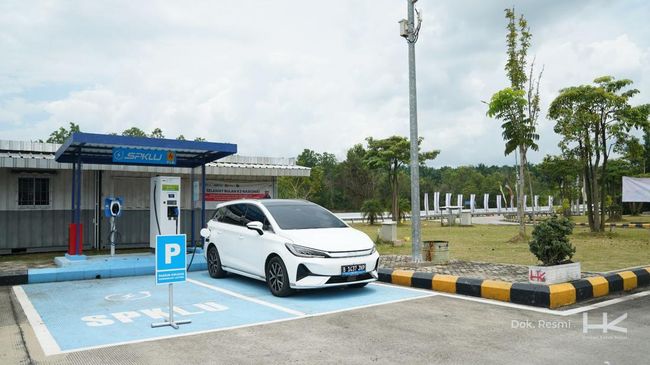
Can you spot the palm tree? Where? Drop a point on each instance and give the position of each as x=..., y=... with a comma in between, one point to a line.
x=371, y=210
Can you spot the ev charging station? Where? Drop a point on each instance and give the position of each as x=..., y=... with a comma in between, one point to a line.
x=164, y=207
x=173, y=156
x=112, y=210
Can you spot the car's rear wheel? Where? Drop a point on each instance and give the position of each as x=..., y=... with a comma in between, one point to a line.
x=357, y=286
x=214, y=263
x=277, y=277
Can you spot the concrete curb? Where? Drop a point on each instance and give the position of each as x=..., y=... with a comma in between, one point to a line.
x=93, y=268
x=17, y=277
x=619, y=225
x=538, y=295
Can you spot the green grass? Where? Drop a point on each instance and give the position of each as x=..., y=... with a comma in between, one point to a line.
x=626, y=219
x=607, y=251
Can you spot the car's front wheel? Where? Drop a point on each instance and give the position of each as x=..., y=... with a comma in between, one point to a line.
x=277, y=277
x=214, y=263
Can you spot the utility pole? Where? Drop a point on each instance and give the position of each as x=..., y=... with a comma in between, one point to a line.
x=409, y=30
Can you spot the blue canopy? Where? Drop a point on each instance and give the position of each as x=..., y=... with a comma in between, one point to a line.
x=109, y=149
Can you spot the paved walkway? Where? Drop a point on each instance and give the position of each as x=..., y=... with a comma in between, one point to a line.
x=469, y=269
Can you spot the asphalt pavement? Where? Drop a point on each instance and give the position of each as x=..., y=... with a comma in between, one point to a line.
x=434, y=330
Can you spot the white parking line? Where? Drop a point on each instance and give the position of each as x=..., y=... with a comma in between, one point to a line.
x=247, y=298
x=605, y=303
x=49, y=345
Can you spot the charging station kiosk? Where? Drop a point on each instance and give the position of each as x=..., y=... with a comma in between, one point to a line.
x=164, y=208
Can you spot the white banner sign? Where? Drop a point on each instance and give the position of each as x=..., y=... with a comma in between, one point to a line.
x=220, y=191
x=636, y=189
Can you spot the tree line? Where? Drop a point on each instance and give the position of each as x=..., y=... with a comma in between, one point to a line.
x=61, y=134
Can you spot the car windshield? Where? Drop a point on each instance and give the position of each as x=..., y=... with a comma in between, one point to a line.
x=304, y=216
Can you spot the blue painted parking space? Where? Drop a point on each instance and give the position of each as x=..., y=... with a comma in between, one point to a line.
x=311, y=301
x=78, y=315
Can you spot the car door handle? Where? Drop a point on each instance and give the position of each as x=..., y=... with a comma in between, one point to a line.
x=241, y=237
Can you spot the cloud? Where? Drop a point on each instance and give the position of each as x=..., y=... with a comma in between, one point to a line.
x=277, y=77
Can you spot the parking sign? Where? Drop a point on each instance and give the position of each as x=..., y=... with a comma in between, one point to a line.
x=170, y=259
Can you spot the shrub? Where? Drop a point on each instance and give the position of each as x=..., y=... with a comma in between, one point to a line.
x=565, y=209
x=372, y=209
x=404, y=209
x=550, y=243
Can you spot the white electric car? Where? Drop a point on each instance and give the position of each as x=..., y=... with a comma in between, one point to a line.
x=290, y=244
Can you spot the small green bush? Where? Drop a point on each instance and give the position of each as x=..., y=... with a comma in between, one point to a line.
x=550, y=243
x=372, y=209
x=565, y=209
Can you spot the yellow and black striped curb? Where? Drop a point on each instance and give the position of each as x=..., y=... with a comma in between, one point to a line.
x=538, y=295
x=619, y=225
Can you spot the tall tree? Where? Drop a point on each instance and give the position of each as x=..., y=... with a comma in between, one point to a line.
x=61, y=134
x=518, y=105
x=134, y=132
x=646, y=151
x=559, y=173
x=357, y=181
x=592, y=119
x=391, y=155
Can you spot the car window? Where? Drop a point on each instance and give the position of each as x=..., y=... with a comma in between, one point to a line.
x=255, y=214
x=219, y=214
x=233, y=214
x=304, y=216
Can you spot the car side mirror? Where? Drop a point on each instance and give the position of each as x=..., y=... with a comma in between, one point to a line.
x=205, y=233
x=256, y=226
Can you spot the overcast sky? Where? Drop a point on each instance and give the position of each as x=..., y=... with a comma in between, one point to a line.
x=275, y=77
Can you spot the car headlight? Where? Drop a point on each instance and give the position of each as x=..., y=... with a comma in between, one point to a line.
x=374, y=249
x=302, y=251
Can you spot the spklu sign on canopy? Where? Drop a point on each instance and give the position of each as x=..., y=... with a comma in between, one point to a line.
x=219, y=191
x=142, y=156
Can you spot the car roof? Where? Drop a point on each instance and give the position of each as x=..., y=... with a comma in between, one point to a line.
x=271, y=202
x=275, y=202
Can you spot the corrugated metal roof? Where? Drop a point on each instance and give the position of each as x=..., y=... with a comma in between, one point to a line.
x=41, y=147
x=36, y=155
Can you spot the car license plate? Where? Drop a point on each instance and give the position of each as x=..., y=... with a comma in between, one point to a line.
x=355, y=269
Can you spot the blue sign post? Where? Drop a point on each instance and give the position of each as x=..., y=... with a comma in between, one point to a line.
x=171, y=268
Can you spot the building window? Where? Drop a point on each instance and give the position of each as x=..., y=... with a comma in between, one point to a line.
x=33, y=191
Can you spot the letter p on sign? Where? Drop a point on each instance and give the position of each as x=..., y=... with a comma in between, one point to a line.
x=171, y=249
x=171, y=259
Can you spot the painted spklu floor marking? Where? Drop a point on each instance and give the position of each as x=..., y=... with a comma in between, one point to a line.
x=81, y=315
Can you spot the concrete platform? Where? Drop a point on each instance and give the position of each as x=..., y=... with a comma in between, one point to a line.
x=101, y=267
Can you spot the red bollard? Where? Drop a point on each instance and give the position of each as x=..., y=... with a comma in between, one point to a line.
x=72, y=237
